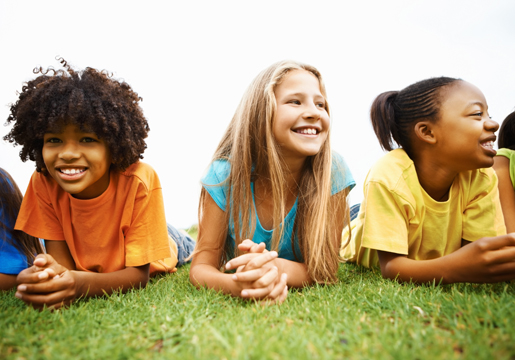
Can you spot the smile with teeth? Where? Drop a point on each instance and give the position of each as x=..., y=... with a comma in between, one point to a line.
x=72, y=171
x=488, y=145
x=307, y=131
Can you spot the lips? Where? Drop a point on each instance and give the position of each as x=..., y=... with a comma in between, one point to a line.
x=307, y=131
x=71, y=171
x=488, y=145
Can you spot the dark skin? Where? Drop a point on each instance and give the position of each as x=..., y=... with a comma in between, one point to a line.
x=7, y=282
x=53, y=280
x=436, y=155
x=506, y=191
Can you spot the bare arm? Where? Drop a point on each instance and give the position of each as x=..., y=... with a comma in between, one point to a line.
x=506, y=192
x=486, y=260
x=298, y=272
x=49, y=283
x=263, y=279
x=7, y=282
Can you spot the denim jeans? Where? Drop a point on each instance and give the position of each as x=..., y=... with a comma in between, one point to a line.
x=354, y=211
x=185, y=245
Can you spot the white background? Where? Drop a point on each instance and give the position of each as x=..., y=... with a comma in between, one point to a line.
x=192, y=60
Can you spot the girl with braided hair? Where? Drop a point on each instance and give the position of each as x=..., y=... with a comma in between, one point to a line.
x=99, y=209
x=431, y=210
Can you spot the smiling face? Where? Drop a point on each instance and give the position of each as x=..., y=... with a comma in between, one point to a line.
x=301, y=122
x=78, y=161
x=464, y=131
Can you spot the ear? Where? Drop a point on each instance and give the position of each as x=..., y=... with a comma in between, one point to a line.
x=424, y=131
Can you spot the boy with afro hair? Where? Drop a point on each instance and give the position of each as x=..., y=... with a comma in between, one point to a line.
x=99, y=209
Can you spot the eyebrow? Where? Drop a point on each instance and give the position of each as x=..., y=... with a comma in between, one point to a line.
x=304, y=94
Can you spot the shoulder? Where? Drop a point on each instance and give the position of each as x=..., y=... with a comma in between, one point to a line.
x=509, y=153
x=392, y=167
x=213, y=181
x=140, y=173
x=218, y=172
x=5, y=183
x=341, y=176
x=479, y=180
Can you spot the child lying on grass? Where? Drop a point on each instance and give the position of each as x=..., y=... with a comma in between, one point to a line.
x=431, y=208
x=99, y=209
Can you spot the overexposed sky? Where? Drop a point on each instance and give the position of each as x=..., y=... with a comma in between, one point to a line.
x=192, y=60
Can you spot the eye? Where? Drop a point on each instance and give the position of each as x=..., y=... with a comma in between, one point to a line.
x=53, y=140
x=87, y=140
x=296, y=102
x=321, y=105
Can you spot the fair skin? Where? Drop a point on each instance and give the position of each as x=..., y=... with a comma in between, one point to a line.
x=460, y=140
x=300, y=127
x=506, y=192
x=79, y=162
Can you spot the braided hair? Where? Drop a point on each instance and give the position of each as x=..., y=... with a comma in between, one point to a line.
x=394, y=113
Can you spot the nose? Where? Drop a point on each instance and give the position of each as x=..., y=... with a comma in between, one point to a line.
x=312, y=111
x=491, y=125
x=69, y=151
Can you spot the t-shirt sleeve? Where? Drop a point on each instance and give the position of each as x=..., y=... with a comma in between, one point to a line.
x=37, y=216
x=147, y=238
x=482, y=215
x=341, y=177
x=13, y=261
x=386, y=220
x=213, y=182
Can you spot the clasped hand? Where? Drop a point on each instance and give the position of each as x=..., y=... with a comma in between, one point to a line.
x=46, y=283
x=257, y=274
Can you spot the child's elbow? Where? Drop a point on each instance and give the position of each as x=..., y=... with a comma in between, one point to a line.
x=193, y=278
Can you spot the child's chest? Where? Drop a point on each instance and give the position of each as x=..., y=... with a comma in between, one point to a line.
x=264, y=203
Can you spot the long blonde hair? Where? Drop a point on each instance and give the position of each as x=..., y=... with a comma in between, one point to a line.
x=250, y=147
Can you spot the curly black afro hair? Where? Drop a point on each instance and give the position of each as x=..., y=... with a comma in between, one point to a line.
x=91, y=99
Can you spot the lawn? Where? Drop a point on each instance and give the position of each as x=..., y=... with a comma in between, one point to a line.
x=362, y=317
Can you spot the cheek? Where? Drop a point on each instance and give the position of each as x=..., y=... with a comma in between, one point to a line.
x=47, y=155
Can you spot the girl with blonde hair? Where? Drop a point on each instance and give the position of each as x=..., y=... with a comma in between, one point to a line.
x=273, y=203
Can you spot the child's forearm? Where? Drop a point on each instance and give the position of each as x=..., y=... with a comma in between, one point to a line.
x=97, y=284
x=297, y=273
x=7, y=282
x=204, y=275
x=485, y=260
x=56, y=291
x=418, y=271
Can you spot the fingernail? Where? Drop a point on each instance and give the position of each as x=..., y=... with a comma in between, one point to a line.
x=234, y=277
x=273, y=253
x=43, y=275
x=244, y=293
x=228, y=266
x=18, y=295
x=22, y=288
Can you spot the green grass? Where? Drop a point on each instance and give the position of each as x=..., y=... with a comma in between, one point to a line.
x=363, y=317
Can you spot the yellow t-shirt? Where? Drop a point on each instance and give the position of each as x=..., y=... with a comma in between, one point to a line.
x=398, y=216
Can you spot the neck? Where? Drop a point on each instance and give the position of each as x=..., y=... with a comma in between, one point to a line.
x=434, y=178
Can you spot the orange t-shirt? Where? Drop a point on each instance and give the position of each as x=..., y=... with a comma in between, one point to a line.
x=125, y=226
